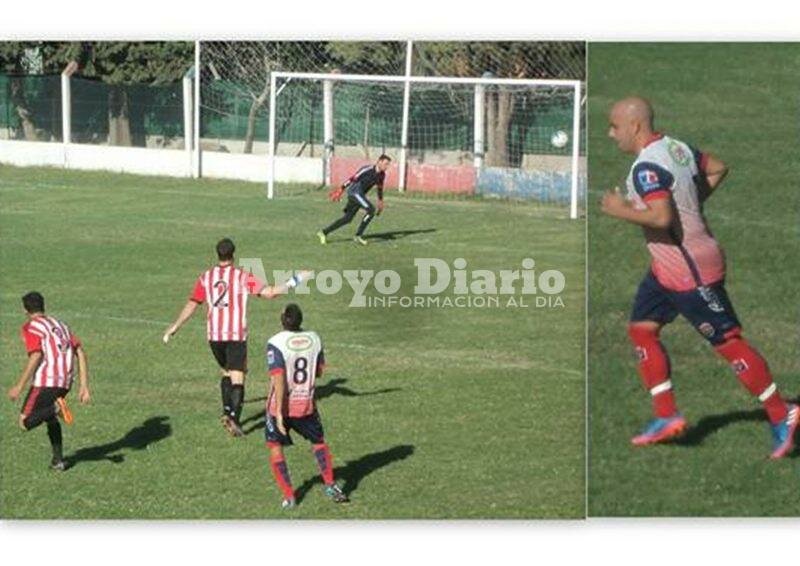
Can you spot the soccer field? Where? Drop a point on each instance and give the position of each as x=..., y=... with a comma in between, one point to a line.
x=740, y=102
x=430, y=413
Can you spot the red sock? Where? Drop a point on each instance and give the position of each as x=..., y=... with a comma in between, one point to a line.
x=654, y=368
x=281, y=474
x=325, y=462
x=753, y=371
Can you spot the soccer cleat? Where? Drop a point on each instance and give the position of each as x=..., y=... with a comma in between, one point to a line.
x=360, y=240
x=63, y=410
x=783, y=433
x=323, y=239
x=58, y=465
x=336, y=494
x=288, y=504
x=230, y=425
x=661, y=430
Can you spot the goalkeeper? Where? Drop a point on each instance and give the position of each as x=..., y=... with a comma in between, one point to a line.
x=357, y=188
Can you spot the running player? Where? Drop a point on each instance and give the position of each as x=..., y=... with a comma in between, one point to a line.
x=52, y=349
x=357, y=188
x=295, y=360
x=225, y=288
x=667, y=185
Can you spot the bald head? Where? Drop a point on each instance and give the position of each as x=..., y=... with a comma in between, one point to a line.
x=635, y=108
x=631, y=123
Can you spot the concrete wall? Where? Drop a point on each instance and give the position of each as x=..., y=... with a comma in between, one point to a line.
x=168, y=162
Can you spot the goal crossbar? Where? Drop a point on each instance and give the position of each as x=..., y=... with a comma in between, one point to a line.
x=575, y=85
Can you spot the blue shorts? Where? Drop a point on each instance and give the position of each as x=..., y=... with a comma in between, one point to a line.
x=309, y=427
x=707, y=308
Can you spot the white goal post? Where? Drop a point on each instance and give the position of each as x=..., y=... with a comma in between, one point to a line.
x=404, y=84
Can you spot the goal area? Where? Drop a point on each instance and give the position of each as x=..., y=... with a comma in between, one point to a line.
x=515, y=138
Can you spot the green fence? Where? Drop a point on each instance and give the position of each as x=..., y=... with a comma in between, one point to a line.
x=30, y=107
x=132, y=115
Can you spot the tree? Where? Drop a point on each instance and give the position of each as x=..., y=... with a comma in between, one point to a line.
x=122, y=64
x=19, y=59
x=500, y=59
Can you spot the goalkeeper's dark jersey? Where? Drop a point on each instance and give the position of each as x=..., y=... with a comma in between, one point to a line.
x=364, y=179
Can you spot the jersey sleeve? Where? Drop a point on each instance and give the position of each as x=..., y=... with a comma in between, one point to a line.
x=32, y=341
x=320, y=362
x=75, y=341
x=199, y=292
x=253, y=284
x=276, y=365
x=651, y=181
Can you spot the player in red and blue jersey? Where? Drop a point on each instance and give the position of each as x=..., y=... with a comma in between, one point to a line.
x=666, y=188
x=357, y=187
x=295, y=359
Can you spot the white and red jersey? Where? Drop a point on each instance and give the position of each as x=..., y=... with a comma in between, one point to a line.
x=224, y=289
x=298, y=358
x=685, y=255
x=57, y=344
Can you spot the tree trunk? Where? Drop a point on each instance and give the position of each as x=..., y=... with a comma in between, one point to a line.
x=251, y=119
x=22, y=110
x=119, y=125
x=498, y=118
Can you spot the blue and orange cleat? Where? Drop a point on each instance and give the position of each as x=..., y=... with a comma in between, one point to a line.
x=783, y=433
x=660, y=430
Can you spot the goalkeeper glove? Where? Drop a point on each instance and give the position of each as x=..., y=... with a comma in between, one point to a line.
x=335, y=194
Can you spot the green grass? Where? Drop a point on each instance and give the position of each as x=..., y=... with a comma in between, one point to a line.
x=430, y=413
x=739, y=102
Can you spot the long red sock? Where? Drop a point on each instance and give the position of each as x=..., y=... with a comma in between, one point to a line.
x=753, y=371
x=654, y=368
x=324, y=461
x=281, y=474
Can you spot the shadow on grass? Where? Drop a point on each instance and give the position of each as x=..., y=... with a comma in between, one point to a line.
x=383, y=236
x=710, y=424
x=350, y=474
x=328, y=389
x=397, y=234
x=138, y=438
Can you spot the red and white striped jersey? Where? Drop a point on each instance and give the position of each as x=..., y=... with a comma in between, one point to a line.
x=224, y=289
x=57, y=344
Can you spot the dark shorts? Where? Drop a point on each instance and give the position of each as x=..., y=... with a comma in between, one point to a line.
x=40, y=398
x=309, y=427
x=357, y=199
x=707, y=308
x=230, y=355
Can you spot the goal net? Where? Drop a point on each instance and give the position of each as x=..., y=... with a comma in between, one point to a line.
x=434, y=106
x=511, y=138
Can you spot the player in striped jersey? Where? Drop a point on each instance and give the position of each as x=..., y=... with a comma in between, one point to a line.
x=225, y=289
x=295, y=359
x=667, y=185
x=357, y=187
x=52, y=349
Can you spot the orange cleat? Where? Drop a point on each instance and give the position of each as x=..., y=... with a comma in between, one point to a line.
x=661, y=430
x=63, y=410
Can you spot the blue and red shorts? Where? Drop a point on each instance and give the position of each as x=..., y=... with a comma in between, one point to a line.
x=707, y=308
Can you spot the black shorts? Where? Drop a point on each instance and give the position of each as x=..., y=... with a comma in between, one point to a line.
x=41, y=397
x=230, y=355
x=309, y=427
x=355, y=200
x=707, y=308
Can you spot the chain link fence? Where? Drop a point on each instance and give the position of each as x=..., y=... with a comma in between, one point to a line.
x=235, y=79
